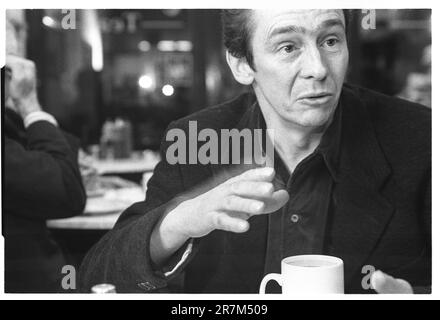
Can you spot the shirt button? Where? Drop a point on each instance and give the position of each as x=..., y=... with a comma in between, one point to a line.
x=294, y=218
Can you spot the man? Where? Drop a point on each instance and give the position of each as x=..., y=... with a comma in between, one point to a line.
x=351, y=176
x=41, y=181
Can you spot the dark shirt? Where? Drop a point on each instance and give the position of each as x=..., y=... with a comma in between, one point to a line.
x=299, y=227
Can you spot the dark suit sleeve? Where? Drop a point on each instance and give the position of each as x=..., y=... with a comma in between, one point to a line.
x=43, y=174
x=426, y=285
x=122, y=256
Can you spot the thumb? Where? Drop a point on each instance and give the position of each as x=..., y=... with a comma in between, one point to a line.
x=386, y=284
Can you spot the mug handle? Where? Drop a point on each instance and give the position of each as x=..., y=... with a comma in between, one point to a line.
x=268, y=277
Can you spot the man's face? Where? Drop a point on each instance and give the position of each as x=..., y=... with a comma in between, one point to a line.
x=300, y=60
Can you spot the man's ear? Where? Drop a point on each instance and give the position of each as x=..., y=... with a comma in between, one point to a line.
x=241, y=69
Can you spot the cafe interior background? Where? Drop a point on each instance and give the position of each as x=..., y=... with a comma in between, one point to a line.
x=117, y=78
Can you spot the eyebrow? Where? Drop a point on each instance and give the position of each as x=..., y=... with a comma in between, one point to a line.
x=296, y=29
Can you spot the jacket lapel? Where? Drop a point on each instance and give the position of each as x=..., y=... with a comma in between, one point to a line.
x=248, y=120
x=361, y=210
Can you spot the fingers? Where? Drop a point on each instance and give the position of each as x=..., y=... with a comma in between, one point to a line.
x=263, y=191
x=19, y=64
x=258, y=174
x=386, y=284
x=251, y=193
x=225, y=222
x=241, y=191
x=10, y=59
x=21, y=68
x=235, y=203
x=252, y=189
x=278, y=200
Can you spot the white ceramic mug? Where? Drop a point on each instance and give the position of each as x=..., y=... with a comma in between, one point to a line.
x=308, y=274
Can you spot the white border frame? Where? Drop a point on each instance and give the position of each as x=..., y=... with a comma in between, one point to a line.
x=376, y=4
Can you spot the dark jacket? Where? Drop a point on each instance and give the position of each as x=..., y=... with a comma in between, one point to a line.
x=381, y=201
x=41, y=180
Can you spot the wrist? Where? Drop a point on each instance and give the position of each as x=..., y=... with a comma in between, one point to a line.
x=173, y=225
x=166, y=238
x=36, y=116
x=29, y=111
x=27, y=106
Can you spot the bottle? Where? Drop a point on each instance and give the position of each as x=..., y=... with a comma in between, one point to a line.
x=103, y=288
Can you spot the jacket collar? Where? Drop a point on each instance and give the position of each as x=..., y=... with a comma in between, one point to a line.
x=360, y=155
x=329, y=147
x=362, y=210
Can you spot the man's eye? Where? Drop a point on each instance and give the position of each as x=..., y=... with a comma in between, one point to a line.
x=288, y=48
x=331, y=42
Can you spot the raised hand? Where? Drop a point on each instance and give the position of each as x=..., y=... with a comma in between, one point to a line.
x=226, y=207
x=384, y=283
x=22, y=85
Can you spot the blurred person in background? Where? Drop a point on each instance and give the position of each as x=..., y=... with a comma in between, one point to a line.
x=418, y=84
x=41, y=181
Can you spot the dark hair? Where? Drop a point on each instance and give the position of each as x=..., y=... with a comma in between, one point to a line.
x=237, y=32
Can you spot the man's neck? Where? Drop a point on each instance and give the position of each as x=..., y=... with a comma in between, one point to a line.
x=292, y=142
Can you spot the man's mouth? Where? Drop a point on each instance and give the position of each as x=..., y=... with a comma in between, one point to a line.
x=315, y=98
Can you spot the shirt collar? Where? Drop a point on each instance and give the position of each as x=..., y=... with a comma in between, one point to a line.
x=330, y=144
x=328, y=148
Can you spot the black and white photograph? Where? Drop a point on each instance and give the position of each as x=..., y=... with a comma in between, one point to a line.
x=229, y=151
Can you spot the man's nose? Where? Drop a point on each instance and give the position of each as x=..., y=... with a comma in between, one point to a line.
x=312, y=65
